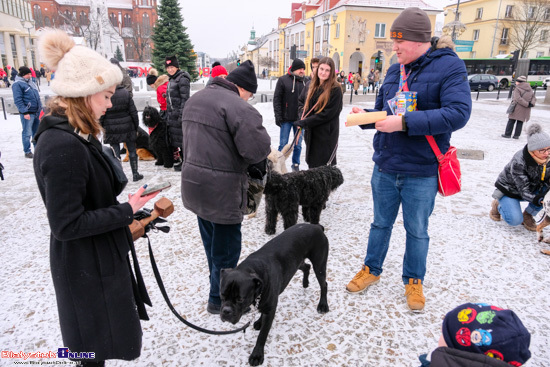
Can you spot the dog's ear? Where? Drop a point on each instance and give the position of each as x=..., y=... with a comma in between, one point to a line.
x=258, y=285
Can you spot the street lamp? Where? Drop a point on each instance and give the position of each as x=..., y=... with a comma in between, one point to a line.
x=28, y=25
x=456, y=27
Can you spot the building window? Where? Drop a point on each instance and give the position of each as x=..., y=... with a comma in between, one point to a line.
x=129, y=51
x=145, y=2
x=127, y=21
x=546, y=13
x=531, y=12
x=380, y=30
x=543, y=35
x=476, y=34
x=292, y=40
x=337, y=31
x=479, y=13
x=509, y=11
x=146, y=24
x=37, y=13
x=540, y=54
x=83, y=18
x=47, y=22
x=504, y=37
x=113, y=19
x=325, y=32
x=302, y=39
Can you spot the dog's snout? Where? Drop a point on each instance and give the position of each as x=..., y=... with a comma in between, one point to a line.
x=226, y=311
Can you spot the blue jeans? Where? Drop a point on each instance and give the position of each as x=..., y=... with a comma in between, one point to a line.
x=29, y=130
x=222, y=244
x=283, y=140
x=510, y=210
x=417, y=197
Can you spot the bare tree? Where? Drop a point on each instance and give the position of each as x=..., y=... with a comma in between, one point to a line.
x=140, y=37
x=267, y=61
x=528, y=23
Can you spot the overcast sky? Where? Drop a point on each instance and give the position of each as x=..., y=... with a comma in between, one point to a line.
x=218, y=27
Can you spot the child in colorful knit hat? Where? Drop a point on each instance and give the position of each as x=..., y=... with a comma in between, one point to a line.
x=478, y=334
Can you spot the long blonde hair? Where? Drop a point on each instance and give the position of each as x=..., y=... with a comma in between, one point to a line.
x=326, y=87
x=78, y=113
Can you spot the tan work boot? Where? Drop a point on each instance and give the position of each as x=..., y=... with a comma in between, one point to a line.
x=494, y=214
x=529, y=222
x=362, y=280
x=415, y=295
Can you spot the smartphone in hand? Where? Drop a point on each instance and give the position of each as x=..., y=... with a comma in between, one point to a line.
x=154, y=188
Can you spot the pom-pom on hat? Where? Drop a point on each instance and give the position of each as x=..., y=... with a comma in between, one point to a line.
x=23, y=70
x=244, y=76
x=412, y=24
x=171, y=61
x=490, y=330
x=152, y=76
x=79, y=70
x=536, y=138
x=218, y=70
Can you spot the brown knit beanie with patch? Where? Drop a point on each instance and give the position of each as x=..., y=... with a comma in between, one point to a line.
x=412, y=24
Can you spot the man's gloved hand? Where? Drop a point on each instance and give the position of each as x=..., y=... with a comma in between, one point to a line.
x=278, y=123
x=538, y=200
x=258, y=170
x=300, y=123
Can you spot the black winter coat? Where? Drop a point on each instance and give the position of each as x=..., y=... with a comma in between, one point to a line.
x=89, y=243
x=177, y=94
x=121, y=121
x=450, y=357
x=222, y=135
x=285, y=98
x=522, y=178
x=321, y=130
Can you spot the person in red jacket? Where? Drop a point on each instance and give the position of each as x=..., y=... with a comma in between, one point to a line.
x=159, y=83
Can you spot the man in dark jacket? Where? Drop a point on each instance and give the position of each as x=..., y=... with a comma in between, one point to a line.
x=27, y=101
x=222, y=136
x=126, y=80
x=177, y=94
x=285, y=105
x=406, y=168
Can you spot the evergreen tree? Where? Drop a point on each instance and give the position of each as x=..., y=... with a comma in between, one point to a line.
x=118, y=54
x=170, y=38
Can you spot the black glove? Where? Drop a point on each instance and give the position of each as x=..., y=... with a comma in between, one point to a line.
x=537, y=201
x=300, y=123
x=257, y=170
x=531, y=105
x=278, y=123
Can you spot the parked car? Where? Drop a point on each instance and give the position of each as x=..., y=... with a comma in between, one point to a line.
x=546, y=83
x=482, y=81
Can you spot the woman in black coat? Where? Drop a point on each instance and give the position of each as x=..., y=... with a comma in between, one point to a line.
x=121, y=123
x=99, y=300
x=322, y=103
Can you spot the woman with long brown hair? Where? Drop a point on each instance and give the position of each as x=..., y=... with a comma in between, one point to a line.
x=99, y=300
x=320, y=105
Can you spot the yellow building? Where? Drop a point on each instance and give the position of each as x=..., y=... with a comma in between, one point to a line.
x=491, y=24
x=354, y=33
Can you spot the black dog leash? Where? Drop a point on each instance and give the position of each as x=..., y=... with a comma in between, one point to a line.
x=167, y=299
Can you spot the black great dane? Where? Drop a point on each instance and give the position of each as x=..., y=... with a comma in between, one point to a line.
x=266, y=273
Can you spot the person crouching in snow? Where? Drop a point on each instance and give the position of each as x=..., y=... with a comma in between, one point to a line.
x=525, y=178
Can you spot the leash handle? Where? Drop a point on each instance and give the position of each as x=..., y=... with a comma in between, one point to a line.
x=167, y=299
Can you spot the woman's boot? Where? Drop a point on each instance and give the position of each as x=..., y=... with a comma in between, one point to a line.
x=134, y=166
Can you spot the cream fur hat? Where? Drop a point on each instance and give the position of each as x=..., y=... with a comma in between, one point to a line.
x=79, y=70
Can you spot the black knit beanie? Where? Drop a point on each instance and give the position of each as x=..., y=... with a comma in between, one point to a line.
x=412, y=24
x=297, y=64
x=244, y=76
x=23, y=70
x=171, y=61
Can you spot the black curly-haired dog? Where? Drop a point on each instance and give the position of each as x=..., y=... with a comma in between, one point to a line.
x=310, y=189
x=158, y=138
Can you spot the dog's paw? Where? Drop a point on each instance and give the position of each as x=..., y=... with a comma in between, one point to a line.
x=258, y=324
x=256, y=358
x=270, y=231
x=322, y=307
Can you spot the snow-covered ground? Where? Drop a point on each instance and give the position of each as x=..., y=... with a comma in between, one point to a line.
x=471, y=259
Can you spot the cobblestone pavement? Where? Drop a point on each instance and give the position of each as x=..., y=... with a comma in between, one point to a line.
x=471, y=259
